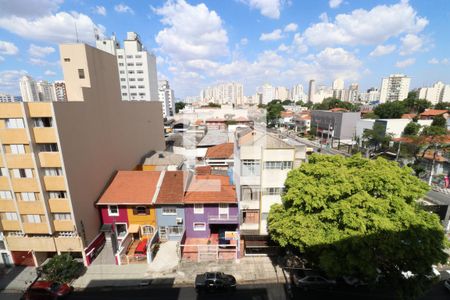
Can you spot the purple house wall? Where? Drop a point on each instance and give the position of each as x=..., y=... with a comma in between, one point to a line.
x=211, y=218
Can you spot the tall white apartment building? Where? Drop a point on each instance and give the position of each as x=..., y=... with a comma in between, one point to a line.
x=439, y=92
x=46, y=91
x=7, y=98
x=353, y=93
x=167, y=98
x=339, y=89
x=394, y=88
x=312, y=90
x=281, y=93
x=224, y=93
x=322, y=93
x=298, y=93
x=59, y=88
x=28, y=89
x=268, y=93
x=372, y=95
x=137, y=68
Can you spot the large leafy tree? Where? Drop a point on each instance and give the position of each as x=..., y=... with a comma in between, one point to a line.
x=179, y=106
x=390, y=110
x=412, y=128
x=274, y=109
x=442, y=105
x=355, y=216
x=62, y=268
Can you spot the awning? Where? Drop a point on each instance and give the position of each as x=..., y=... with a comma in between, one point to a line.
x=134, y=228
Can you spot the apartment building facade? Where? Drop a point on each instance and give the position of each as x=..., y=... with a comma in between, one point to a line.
x=394, y=88
x=262, y=162
x=56, y=156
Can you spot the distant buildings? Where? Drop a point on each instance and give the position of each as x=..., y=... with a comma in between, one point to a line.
x=8, y=98
x=372, y=95
x=46, y=91
x=167, y=98
x=312, y=90
x=42, y=91
x=137, y=68
x=394, y=88
x=60, y=90
x=297, y=93
x=28, y=89
x=224, y=93
x=439, y=92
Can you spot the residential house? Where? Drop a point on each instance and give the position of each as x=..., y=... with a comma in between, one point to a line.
x=220, y=156
x=429, y=114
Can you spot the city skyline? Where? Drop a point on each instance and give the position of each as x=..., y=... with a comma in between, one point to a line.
x=286, y=43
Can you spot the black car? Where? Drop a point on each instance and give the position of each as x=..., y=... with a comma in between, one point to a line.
x=308, y=279
x=212, y=281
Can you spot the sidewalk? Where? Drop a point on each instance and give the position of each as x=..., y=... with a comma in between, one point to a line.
x=17, y=278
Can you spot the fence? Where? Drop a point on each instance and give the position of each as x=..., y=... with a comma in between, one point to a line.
x=122, y=251
x=152, y=247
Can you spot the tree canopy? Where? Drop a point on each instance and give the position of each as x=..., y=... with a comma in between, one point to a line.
x=274, y=109
x=330, y=103
x=62, y=268
x=442, y=105
x=179, y=106
x=390, y=110
x=355, y=216
x=412, y=128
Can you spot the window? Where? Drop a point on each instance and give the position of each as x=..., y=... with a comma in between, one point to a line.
x=42, y=122
x=250, y=167
x=25, y=196
x=141, y=210
x=140, y=71
x=22, y=173
x=223, y=209
x=278, y=165
x=122, y=79
x=198, y=209
x=57, y=195
x=120, y=64
x=124, y=86
x=129, y=56
x=141, y=94
x=133, y=94
x=132, y=79
x=124, y=94
x=62, y=217
x=199, y=226
x=250, y=193
x=113, y=210
x=130, y=64
x=167, y=211
x=120, y=56
x=138, y=56
x=132, y=86
x=147, y=229
x=10, y=216
x=141, y=86
x=66, y=59
x=17, y=148
x=15, y=123
x=121, y=72
x=81, y=73
x=32, y=218
x=53, y=172
x=272, y=191
x=131, y=72
x=50, y=147
x=140, y=79
x=138, y=64
x=5, y=195
x=3, y=172
x=175, y=230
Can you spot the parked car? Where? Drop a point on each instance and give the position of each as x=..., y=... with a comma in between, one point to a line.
x=213, y=281
x=311, y=280
x=46, y=290
x=353, y=281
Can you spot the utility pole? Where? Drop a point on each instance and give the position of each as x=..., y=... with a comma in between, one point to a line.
x=398, y=151
x=432, y=165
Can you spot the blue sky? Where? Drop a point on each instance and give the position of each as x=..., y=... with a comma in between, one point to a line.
x=199, y=43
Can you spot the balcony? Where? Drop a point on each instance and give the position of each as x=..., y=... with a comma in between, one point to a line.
x=45, y=135
x=19, y=161
x=23, y=243
x=36, y=228
x=59, y=205
x=14, y=136
x=7, y=205
x=249, y=228
x=4, y=183
x=68, y=244
x=43, y=109
x=31, y=207
x=223, y=219
x=11, y=110
x=10, y=225
x=50, y=159
x=63, y=225
x=249, y=204
x=25, y=185
x=54, y=183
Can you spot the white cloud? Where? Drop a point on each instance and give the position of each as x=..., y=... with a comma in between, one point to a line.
x=291, y=27
x=2, y=58
x=324, y=17
x=267, y=8
x=27, y=8
x=362, y=27
x=433, y=61
x=8, y=48
x=381, y=50
x=335, y=3
x=283, y=48
x=122, y=8
x=272, y=36
x=42, y=62
x=101, y=10
x=411, y=43
x=445, y=61
x=57, y=28
x=37, y=51
x=244, y=41
x=49, y=73
x=9, y=80
x=191, y=32
x=405, y=63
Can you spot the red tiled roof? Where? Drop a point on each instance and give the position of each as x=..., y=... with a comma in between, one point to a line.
x=198, y=122
x=430, y=156
x=203, y=170
x=408, y=116
x=286, y=114
x=131, y=187
x=433, y=112
x=210, y=189
x=338, y=109
x=424, y=139
x=172, y=188
x=220, y=151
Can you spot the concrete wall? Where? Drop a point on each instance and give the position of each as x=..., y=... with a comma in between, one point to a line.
x=99, y=133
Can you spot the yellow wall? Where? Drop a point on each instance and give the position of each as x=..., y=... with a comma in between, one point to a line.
x=148, y=168
x=142, y=219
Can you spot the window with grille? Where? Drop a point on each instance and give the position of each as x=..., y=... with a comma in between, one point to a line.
x=5, y=195
x=169, y=211
x=15, y=123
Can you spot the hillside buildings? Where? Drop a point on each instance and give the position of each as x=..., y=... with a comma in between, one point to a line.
x=55, y=157
x=439, y=92
x=394, y=88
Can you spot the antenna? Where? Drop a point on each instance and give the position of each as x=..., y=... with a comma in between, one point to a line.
x=76, y=32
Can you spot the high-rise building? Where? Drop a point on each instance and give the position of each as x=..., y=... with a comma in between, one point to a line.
x=167, y=98
x=394, y=88
x=312, y=90
x=7, y=98
x=439, y=92
x=281, y=93
x=137, y=68
x=224, y=93
x=353, y=93
x=322, y=92
x=297, y=93
x=372, y=95
x=28, y=89
x=46, y=91
x=339, y=89
x=55, y=158
x=59, y=87
x=268, y=93
x=338, y=84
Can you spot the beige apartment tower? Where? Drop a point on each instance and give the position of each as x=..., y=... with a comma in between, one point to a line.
x=56, y=158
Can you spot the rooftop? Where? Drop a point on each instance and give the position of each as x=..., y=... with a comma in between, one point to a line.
x=213, y=138
x=210, y=189
x=221, y=151
x=433, y=112
x=172, y=187
x=264, y=139
x=164, y=158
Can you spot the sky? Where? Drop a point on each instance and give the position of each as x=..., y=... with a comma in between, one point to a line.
x=201, y=43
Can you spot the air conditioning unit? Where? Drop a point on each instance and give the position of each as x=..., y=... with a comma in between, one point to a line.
x=179, y=220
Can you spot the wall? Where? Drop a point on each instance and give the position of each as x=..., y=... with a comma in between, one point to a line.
x=149, y=219
x=98, y=132
x=121, y=218
x=208, y=210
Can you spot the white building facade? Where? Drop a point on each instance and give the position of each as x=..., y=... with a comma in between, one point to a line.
x=167, y=98
x=439, y=92
x=28, y=89
x=298, y=93
x=394, y=88
x=46, y=91
x=224, y=93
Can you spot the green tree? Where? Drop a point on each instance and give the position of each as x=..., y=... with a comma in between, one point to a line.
x=300, y=103
x=439, y=121
x=287, y=102
x=370, y=115
x=62, y=268
x=354, y=216
x=442, y=105
x=417, y=106
x=411, y=129
x=376, y=138
x=179, y=106
x=390, y=110
x=274, y=109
